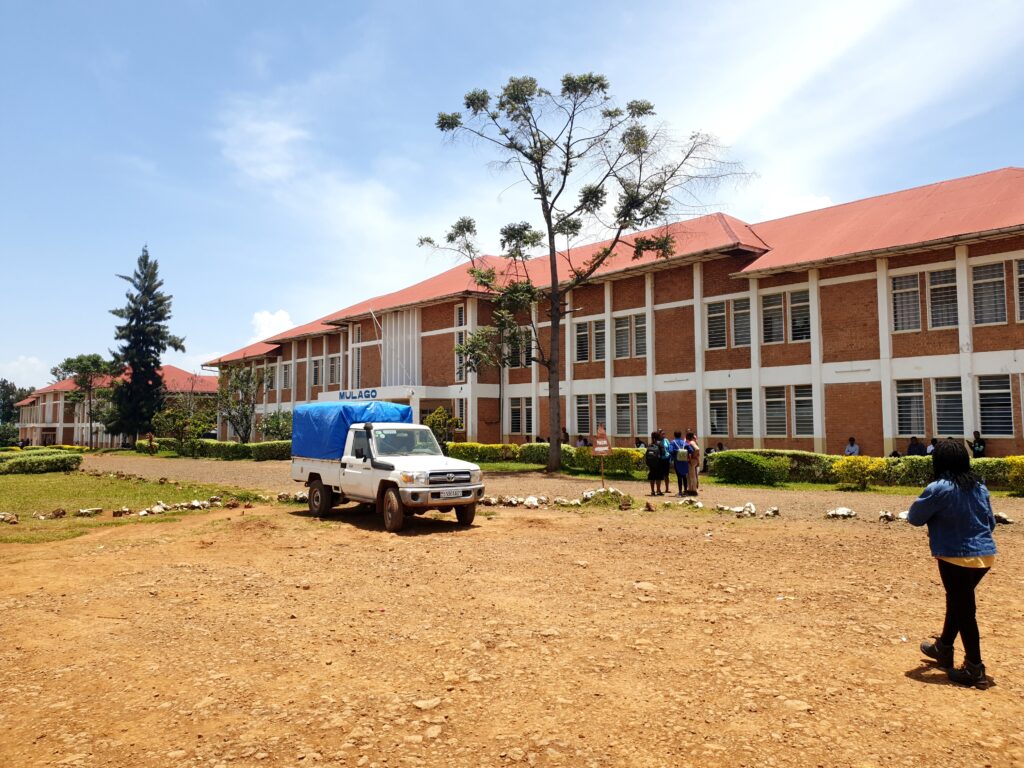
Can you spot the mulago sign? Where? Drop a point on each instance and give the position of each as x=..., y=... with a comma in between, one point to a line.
x=358, y=394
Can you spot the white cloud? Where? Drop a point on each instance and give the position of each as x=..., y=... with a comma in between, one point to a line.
x=266, y=323
x=25, y=371
x=262, y=146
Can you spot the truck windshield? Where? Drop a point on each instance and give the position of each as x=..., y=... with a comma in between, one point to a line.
x=396, y=441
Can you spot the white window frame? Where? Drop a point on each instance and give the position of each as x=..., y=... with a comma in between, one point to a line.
x=623, y=404
x=716, y=313
x=737, y=311
x=622, y=334
x=333, y=369
x=929, y=278
x=460, y=359
x=598, y=341
x=314, y=374
x=743, y=400
x=286, y=375
x=641, y=406
x=803, y=304
x=986, y=281
x=1018, y=294
x=1009, y=394
x=803, y=394
x=460, y=316
x=771, y=399
x=584, y=423
x=581, y=346
x=781, y=309
x=633, y=330
x=718, y=397
x=954, y=396
x=270, y=377
x=515, y=411
x=600, y=411
x=910, y=396
x=894, y=292
x=357, y=368
x=460, y=411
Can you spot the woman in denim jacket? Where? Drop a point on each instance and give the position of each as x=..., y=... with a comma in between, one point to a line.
x=957, y=510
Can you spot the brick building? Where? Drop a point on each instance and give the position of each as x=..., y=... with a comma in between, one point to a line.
x=895, y=316
x=49, y=417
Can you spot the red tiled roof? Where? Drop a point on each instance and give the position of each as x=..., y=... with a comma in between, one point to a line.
x=27, y=401
x=257, y=350
x=951, y=209
x=175, y=380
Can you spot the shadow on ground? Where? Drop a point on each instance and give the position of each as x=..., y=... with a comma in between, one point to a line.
x=364, y=517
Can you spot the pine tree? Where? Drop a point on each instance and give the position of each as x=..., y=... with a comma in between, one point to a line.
x=144, y=337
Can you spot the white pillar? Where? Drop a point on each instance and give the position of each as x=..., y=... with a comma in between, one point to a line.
x=471, y=378
x=885, y=353
x=569, y=415
x=534, y=382
x=756, y=394
x=698, y=348
x=817, y=386
x=963, y=322
x=652, y=409
x=609, y=361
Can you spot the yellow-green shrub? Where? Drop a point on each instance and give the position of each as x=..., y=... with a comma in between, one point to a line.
x=859, y=471
x=1015, y=474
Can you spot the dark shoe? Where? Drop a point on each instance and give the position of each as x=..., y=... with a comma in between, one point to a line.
x=969, y=674
x=943, y=654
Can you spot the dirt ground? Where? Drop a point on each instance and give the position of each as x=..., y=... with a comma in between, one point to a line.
x=547, y=637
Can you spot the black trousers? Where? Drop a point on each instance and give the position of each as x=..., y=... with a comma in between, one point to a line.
x=682, y=480
x=961, y=608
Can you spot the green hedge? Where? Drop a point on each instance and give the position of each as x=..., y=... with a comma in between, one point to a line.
x=13, y=455
x=621, y=461
x=477, y=452
x=804, y=466
x=748, y=468
x=218, y=449
x=38, y=462
x=534, y=453
x=271, y=450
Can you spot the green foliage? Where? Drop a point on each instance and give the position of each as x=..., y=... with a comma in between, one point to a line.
x=277, y=425
x=91, y=374
x=271, y=450
x=443, y=425
x=1015, y=474
x=218, y=449
x=477, y=452
x=804, y=466
x=907, y=470
x=43, y=461
x=10, y=393
x=533, y=453
x=8, y=435
x=995, y=472
x=144, y=337
x=858, y=472
x=747, y=468
x=185, y=418
x=237, y=392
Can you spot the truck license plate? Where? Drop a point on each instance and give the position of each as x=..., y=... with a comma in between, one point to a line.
x=453, y=493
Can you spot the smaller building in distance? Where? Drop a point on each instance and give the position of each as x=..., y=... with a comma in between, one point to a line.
x=50, y=416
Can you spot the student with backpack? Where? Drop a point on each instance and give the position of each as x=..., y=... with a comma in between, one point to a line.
x=652, y=458
x=680, y=457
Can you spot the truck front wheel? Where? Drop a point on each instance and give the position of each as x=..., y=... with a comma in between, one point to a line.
x=394, y=510
x=321, y=498
x=466, y=513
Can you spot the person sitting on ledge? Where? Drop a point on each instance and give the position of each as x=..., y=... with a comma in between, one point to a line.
x=916, y=448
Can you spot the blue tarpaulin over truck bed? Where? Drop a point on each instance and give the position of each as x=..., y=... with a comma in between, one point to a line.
x=319, y=429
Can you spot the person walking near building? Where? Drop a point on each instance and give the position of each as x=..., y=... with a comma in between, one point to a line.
x=652, y=458
x=666, y=460
x=958, y=512
x=680, y=457
x=852, y=449
x=693, y=482
x=977, y=446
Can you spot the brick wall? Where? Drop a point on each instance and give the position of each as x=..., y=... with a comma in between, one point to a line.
x=628, y=293
x=588, y=300
x=854, y=409
x=673, y=340
x=488, y=430
x=435, y=317
x=371, y=366
x=676, y=411
x=1007, y=336
x=437, y=360
x=717, y=280
x=726, y=359
x=674, y=284
x=849, y=322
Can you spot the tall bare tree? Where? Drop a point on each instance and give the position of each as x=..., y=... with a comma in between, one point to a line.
x=590, y=165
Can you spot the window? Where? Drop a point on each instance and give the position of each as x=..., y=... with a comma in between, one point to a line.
x=460, y=315
x=995, y=405
x=357, y=368
x=286, y=376
x=949, y=407
x=519, y=349
x=623, y=423
x=741, y=322
x=622, y=337
x=460, y=359
x=600, y=411
x=582, y=414
x=744, y=411
x=515, y=422
x=357, y=334
x=906, y=303
x=460, y=411
x=716, y=325
x=910, y=407
x=1020, y=291
x=718, y=411
x=803, y=410
x=799, y=316
x=989, y=294
x=361, y=444
x=775, y=411
x=773, y=319
x=598, y=340
x=582, y=342
x=528, y=415
x=271, y=377
x=333, y=369
x=316, y=373
x=640, y=409
x=942, y=299
x=639, y=335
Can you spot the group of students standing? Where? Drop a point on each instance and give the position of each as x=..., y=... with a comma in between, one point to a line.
x=662, y=456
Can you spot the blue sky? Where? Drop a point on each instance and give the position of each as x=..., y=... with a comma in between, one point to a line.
x=280, y=160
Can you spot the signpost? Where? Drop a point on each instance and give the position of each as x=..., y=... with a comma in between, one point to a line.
x=601, y=447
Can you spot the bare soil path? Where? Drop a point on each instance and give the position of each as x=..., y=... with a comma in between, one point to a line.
x=544, y=638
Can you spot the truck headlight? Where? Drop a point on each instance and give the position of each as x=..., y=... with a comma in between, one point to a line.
x=476, y=475
x=414, y=478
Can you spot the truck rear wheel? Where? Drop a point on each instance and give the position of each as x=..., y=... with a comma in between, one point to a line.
x=321, y=498
x=394, y=510
x=466, y=513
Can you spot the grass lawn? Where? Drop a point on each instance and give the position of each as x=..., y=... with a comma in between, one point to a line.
x=28, y=494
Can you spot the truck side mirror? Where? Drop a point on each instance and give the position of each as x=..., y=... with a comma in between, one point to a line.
x=359, y=453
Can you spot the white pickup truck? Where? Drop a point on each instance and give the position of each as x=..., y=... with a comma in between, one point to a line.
x=394, y=464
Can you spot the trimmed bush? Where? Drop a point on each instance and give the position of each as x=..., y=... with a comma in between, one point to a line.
x=10, y=448
x=804, y=466
x=217, y=449
x=464, y=451
x=748, y=468
x=40, y=462
x=75, y=448
x=271, y=450
x=11, y=456
x=534, y=453
x=996, y=472
x=502, y=452
x=1015, y=474
x=860, y=471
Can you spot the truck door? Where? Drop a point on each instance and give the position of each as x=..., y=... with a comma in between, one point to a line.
x=357, y=477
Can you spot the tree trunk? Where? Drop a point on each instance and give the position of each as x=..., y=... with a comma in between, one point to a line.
x=554, y=358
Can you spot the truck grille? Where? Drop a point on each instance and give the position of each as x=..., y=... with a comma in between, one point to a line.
x=449, y=478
